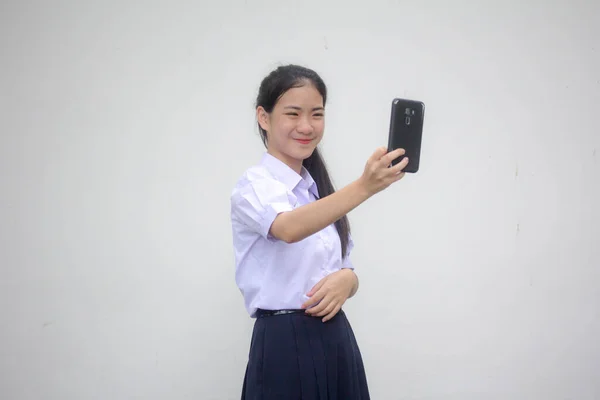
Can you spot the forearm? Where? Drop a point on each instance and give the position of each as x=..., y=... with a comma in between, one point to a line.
x=296, y=225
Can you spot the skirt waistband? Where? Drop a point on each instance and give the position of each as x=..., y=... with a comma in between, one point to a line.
x=260, y=313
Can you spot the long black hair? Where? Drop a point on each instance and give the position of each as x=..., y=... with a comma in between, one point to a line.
x=271, y=89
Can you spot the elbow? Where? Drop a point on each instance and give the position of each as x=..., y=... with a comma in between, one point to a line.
x=288, y=240
x=285, y=235
x=282, y=231
x=290, y=237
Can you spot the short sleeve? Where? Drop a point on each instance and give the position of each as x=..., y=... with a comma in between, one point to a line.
x=256, y=204
x=346, y=262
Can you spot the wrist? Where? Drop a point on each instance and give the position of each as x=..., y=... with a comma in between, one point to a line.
x=351, y=278
x=361, y=189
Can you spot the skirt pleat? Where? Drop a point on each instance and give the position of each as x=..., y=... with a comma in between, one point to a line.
x=296, y=356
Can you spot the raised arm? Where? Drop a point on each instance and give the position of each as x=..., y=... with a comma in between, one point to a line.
x=296, y=225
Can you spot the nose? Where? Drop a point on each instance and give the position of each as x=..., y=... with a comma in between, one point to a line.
x=304, y=126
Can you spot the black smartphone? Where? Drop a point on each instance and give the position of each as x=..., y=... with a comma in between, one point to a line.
x=406, y=131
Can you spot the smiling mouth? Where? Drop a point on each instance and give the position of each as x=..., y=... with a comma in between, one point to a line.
x=304, y=141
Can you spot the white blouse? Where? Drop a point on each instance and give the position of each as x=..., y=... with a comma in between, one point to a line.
x=270, y=273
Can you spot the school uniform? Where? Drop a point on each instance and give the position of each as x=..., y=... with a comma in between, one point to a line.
x=292, y=355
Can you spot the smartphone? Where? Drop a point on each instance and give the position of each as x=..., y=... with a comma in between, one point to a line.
x=406, y=131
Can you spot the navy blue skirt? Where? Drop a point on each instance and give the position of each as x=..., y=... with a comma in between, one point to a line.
x=296, y=356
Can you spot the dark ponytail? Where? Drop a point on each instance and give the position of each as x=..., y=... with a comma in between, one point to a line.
x=271, y=89
x=318, y=170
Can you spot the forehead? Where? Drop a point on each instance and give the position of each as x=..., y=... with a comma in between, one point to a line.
x=307, y=96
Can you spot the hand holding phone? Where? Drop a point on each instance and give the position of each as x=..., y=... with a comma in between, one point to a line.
x=406, y=131
x=378, y=174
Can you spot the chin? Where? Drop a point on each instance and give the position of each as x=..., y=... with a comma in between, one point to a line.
x=302, y=154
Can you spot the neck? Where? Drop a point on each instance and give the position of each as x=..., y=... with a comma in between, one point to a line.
x=293, y=163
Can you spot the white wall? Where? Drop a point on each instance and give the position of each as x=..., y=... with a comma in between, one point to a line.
x=124, y=127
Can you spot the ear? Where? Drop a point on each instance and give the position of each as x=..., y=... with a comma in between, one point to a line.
x=263, y=118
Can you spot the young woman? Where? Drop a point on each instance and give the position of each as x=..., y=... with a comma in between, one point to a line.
x=292, y=248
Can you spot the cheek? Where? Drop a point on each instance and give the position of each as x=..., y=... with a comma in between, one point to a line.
x=279, y=130
x=285, y=128
x=319, y=127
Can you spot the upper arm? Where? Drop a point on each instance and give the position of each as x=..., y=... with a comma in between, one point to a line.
x=257, y=203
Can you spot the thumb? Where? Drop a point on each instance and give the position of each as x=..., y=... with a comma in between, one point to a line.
x=316, y=288
x=376, y=156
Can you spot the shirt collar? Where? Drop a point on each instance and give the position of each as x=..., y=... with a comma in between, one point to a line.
x=288, y=176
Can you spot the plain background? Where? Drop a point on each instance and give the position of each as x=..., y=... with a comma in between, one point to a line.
x=124, y=126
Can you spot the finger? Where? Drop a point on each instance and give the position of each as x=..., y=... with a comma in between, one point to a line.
x=376, y=156
x=396, y=169
x=327, y=310
x=315, y=299
x=333, y=313
x=399, y=176
x=317, y=286
x=391, y=156
x=319, y=307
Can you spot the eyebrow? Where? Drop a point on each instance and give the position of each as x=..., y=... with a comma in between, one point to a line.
x=299, y=108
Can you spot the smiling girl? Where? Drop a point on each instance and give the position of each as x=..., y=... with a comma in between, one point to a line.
x=292, y=245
